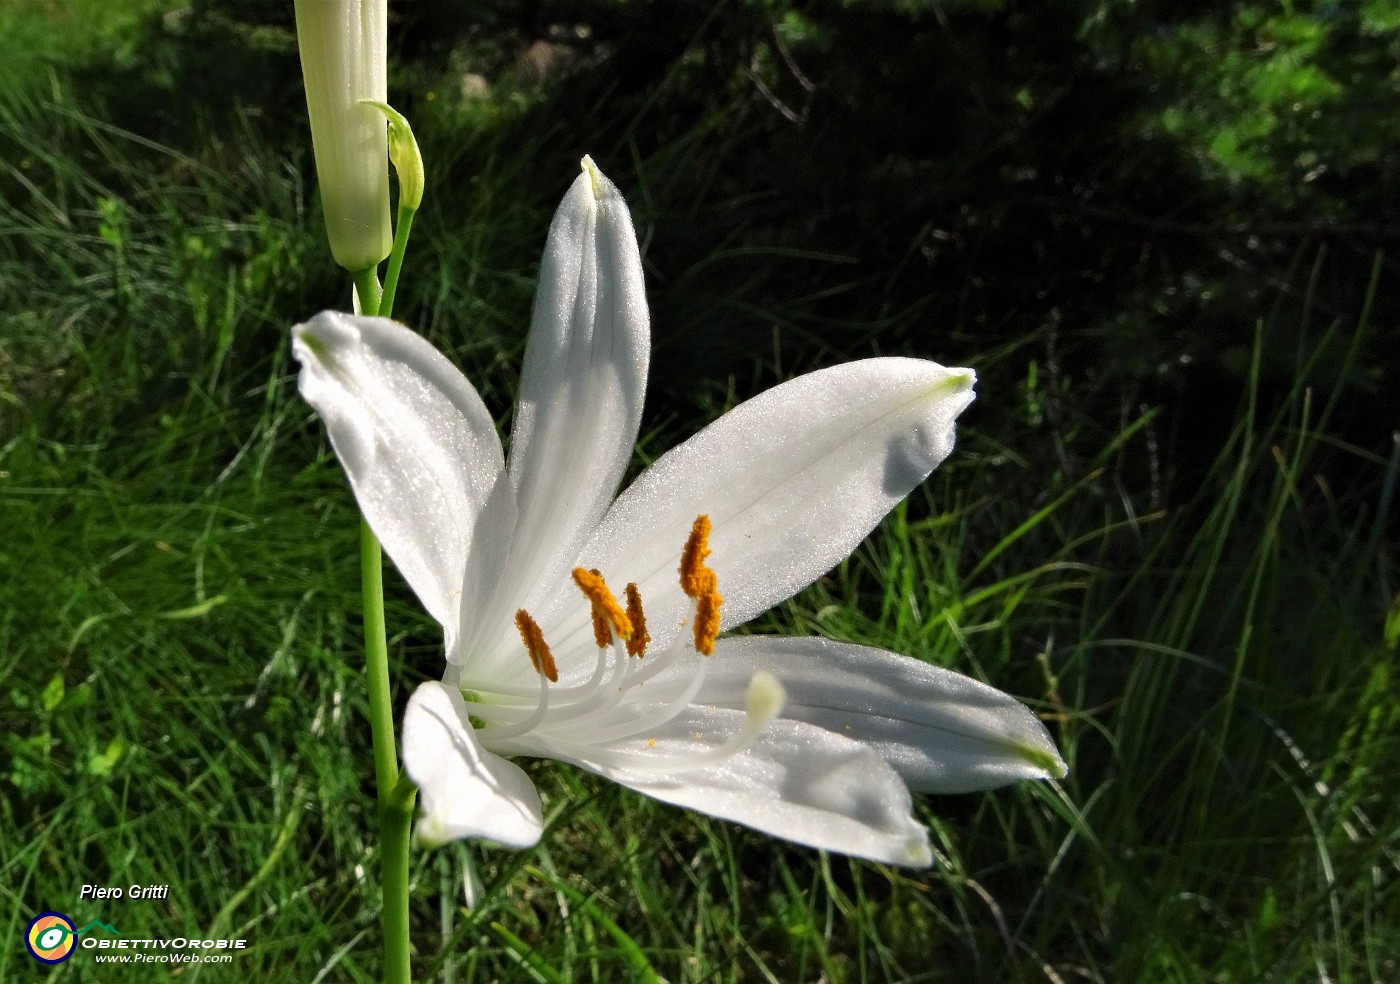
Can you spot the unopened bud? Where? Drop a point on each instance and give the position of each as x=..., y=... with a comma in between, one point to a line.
x=403, y=152
x=344, y=45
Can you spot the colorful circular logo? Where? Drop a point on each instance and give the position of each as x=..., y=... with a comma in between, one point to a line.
x=50, y=938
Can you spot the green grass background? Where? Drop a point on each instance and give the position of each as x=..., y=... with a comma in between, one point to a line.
x=180, y=699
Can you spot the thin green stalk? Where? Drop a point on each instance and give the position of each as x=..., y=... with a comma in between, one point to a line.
x=402, y=228
x=395, y=795
x=381, y=705
x=395, y=826
x=395, y=807
x=367, y=289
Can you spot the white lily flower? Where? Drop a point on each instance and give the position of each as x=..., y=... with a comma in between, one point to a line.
x=815, y=741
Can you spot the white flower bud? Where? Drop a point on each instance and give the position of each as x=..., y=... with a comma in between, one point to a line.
x=343, y=47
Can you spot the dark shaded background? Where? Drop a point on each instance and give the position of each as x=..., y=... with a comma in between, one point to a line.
x=1121, y=191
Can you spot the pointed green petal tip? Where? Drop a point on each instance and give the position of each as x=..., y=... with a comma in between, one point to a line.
x=589, y=168
x=950, y=383
x=1047, y=761
x=313, y=344
x=960, y=380
x=917, y=854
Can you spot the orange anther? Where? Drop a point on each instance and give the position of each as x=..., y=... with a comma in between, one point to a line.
x=602, y=634
x=697, y=548
x=637, y=645
x=707, y=616
x=540, y=656
x=605, y=606
x=701, y=583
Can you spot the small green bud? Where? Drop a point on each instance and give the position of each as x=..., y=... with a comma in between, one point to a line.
x=404, y=153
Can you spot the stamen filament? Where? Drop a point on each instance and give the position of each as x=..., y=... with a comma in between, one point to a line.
x=655, y=719
x=618, y=685
x=603, y=697
x=763, y=703
x=505, y=698
x=500, y=732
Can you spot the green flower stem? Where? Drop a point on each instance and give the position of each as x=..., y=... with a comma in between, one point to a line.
x=402, y=228
x=395, y=804
x=395, y=834
x=381, y=704
x=395, y=794
x=367, y=289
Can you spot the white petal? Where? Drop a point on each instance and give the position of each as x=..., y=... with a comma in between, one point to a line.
x=481, y=588
x=942, y=731
x=796, y=781
x=464, y=790
x=419, y=447
x=580, y=391
x=792, y=480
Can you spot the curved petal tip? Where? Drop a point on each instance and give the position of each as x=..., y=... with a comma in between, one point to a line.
x=1045, y=758
x=465, y=790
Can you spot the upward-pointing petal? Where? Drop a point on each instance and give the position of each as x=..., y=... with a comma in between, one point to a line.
x=416, y=441
x=581, y=390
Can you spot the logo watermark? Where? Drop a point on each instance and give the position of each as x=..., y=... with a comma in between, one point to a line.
x=51, y=938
